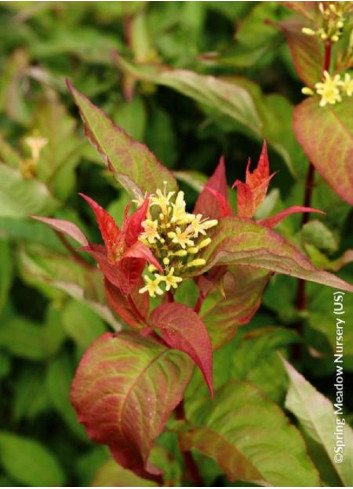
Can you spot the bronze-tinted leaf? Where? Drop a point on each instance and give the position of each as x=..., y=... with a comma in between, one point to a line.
x=124, y=390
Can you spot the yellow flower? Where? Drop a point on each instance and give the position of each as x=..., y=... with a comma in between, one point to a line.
x=198, y=225
x=36, y=144
x=307, y=91
x=162, y=199
x=175, y=238
x=181, y=238
x=179, y=214
x=329, y=89
x=151, y=231
x=347, y=84
x=152, y=286
x=170, y=279
x=198, y=262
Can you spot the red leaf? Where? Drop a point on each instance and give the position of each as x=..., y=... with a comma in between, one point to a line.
x=306, y=51
x=245, y=199
x=140, y=251
x=236, y=303
x=253, y=192
x=213, y=200
x=107, y=226
x=124, y=273
x=326, y=135
x=259, y=179
x=132, y=226
x=276, y=219
x=182, y=328
x=124, y=390
x=123, y=308
x=66, y=227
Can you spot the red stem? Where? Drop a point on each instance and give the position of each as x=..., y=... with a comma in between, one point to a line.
x=327, y=60
x=199, y=302
x=301, y=301
x=190, y=464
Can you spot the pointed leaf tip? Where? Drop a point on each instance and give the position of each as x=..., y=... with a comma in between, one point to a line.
x=107, y=225
x=66, y=227
x=213, y=201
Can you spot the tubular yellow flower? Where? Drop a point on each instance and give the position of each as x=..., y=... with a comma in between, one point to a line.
x=329, y=89
x=36, y=144
x=179, y=213
x=198, y=225
x=204, y=243
x=196, y=263
x=152, y=286
x=307, y=91
x=193, y=250
x=162, y=199
x=332, y=21
x=151, y=232
x=175, y=237
x=170, y=280
x=181, y=238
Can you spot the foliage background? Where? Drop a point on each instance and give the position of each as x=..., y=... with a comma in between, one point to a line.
x=43, y=331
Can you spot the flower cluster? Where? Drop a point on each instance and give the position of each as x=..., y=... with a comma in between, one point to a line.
x=331, y=88
x=332, y=14
x=175, y=238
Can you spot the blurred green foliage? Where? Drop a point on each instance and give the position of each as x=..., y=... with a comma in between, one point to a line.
x=49, y=308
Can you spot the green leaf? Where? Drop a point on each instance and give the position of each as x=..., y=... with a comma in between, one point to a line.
x=132, y=117
x=112, y=474
x=57, y=383
x=124, y=390
x=5, y=365
x=320, y=317
x=319, y=421
x=31, y=399
x=267, y=117
x=237, y=241
x=229, y=98
x=60, y=155
x=326, y=135
x=257, y=361
x=25, y=230
x=250, y=438
x=317, y=234
x=52, y=272
x=23, y=339
x=88, y=464
x=131, y=162
x=82, y=325
x=6, y=271
x=20, y=197
x=28, y=462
